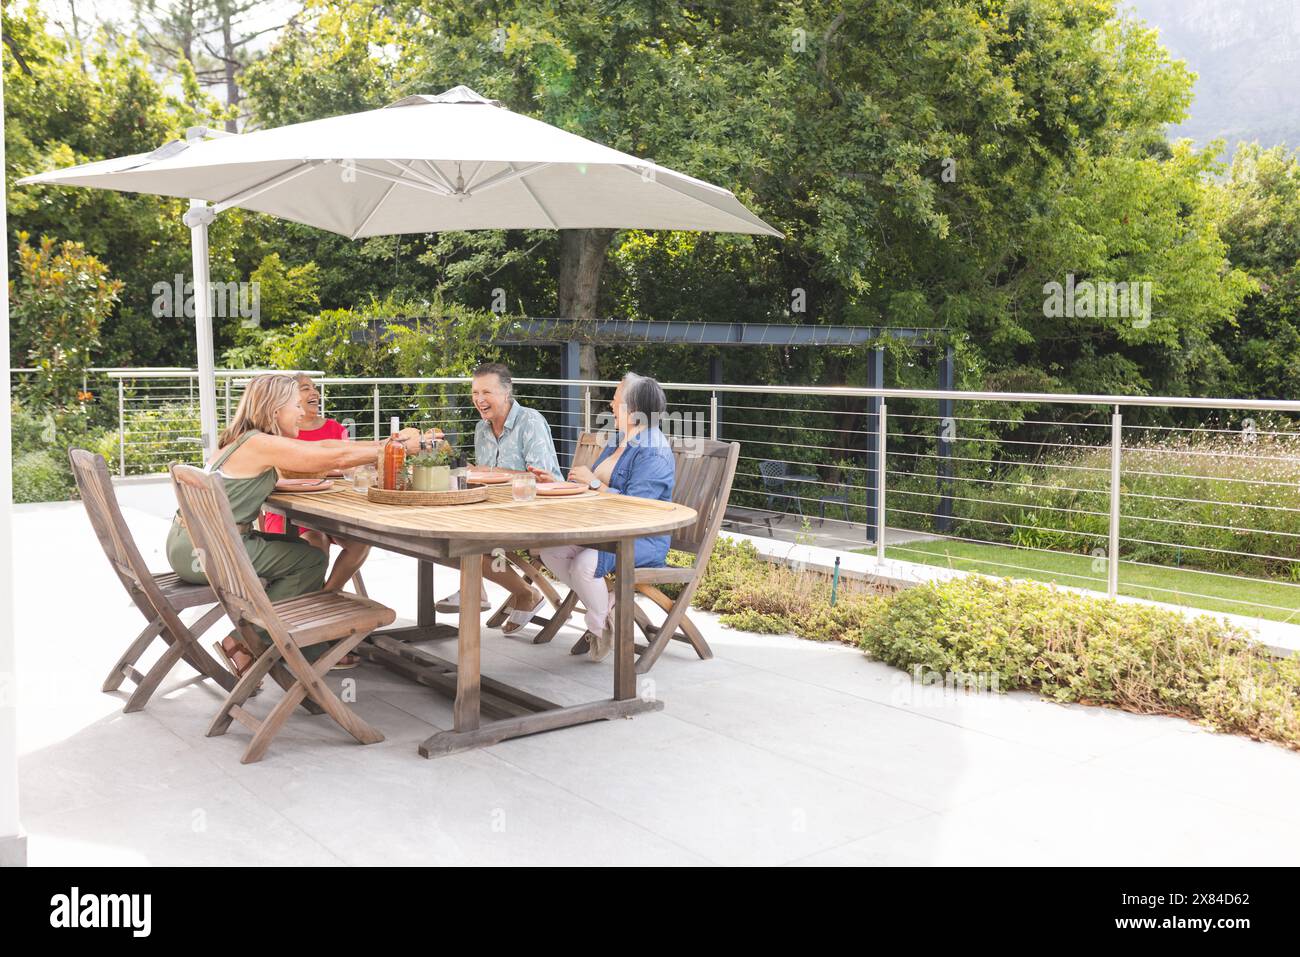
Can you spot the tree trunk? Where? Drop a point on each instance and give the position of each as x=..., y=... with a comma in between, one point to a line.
x=228, y=54
x=582, y=257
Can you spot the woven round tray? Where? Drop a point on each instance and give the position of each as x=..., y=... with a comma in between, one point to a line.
x=458, y=497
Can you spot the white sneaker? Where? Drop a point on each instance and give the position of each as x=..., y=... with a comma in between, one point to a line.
x=451, y=604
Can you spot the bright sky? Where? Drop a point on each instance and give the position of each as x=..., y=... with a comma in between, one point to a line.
x=270, y=13
x=91, y=13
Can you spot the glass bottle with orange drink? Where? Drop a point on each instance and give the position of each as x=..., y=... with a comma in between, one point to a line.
x=392, y=461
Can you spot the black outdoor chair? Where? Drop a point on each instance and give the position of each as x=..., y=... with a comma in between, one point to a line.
x=780, y=481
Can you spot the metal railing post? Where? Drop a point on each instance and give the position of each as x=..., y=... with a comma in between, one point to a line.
x=1112, y=559
x=714, y=432
x=586, y=409
x=376, y=402
x=228, y=380
x=880, y=484
x=121, y=427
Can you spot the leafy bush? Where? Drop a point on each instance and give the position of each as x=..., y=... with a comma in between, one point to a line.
x=41, y=439
x=60, y=296
x=1068, y=647
x=42, y=477
x=753, y=594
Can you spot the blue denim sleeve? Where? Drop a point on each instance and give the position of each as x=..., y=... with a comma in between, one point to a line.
x=650, y=475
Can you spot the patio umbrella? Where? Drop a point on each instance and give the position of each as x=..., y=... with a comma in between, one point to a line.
x=455, y=161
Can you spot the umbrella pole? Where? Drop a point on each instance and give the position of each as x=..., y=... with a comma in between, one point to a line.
x=197, y=218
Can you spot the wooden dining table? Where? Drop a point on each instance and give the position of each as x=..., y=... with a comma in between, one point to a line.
x=487, y=710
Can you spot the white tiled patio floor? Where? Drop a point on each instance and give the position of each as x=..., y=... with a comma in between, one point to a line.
x=776, y=751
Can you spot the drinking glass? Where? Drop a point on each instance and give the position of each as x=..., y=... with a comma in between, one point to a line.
x=364, y=477
x=523, y=488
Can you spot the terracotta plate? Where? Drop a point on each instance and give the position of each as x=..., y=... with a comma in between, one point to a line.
x=560, y=488
x=489, y=478
x=303, y=485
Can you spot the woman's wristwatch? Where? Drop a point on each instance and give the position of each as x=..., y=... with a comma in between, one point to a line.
x=594, y=484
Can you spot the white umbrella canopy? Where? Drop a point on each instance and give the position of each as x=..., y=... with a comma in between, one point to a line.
x=425, y=164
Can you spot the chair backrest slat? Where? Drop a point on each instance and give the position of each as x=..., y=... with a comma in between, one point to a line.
x=705, y=471
x=589, y=448
x=217, y=544
x=96, y=489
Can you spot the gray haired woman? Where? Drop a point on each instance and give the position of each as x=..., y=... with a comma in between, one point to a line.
x=640, y=463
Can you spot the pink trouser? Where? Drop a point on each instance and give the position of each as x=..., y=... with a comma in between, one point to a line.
x=576, y=567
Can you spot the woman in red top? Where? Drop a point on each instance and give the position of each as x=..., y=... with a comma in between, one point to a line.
x=314, y=428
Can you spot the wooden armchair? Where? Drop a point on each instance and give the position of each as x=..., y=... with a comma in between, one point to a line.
x=292, y=623
x=705, y=471
x=161, y=597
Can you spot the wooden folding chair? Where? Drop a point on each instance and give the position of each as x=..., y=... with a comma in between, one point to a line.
x=705, y=471
x=160, y=597
x=529, y=565
x=292, y=623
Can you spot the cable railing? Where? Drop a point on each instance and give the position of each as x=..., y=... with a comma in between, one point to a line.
x=1191, y=501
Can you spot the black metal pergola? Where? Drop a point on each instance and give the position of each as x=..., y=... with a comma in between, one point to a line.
x=569, y=335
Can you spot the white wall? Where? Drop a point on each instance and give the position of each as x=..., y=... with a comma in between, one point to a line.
x=12, y=849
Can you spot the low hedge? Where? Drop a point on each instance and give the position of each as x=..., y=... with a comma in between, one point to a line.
x=1075, y=648
x=42, y=476
x=1064, y=646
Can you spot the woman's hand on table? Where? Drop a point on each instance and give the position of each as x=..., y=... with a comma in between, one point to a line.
x=581, y=474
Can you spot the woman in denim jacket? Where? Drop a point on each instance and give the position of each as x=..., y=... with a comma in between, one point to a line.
x=641, y=464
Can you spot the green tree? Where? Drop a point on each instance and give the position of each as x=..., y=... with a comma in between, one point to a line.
x=1258, y=211
x=57, y=115
x=58, y=298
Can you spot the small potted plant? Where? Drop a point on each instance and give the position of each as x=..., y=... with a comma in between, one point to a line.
x=431, y=469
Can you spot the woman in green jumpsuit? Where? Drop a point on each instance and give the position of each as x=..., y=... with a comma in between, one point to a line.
x=259, y=441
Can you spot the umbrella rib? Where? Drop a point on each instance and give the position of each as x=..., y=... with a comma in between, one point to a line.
x=513, y=173
x=414, y=184
x=433, y=167
x=661, y=181
x=371, y=215
x=545, y=212
x=414, y=172
x=269, y=183
x=469, y=186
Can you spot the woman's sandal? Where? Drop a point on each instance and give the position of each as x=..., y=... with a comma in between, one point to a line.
x=231, y=657
x=518, y=618
x=347, y=661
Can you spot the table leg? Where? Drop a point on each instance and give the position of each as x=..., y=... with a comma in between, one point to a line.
x=466, y=710
x=624, y=597
x=424, y=613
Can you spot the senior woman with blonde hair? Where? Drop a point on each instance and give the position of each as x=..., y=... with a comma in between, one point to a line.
x=315, y=427
x=261, y=439
x=639, y=463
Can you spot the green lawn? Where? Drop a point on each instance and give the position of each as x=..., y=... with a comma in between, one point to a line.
x=1076, y=571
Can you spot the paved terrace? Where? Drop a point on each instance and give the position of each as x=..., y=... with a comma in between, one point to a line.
x=777, y=751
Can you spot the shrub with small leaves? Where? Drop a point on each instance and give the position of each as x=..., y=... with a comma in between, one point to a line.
x=41, y=477
x=1074, y=648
